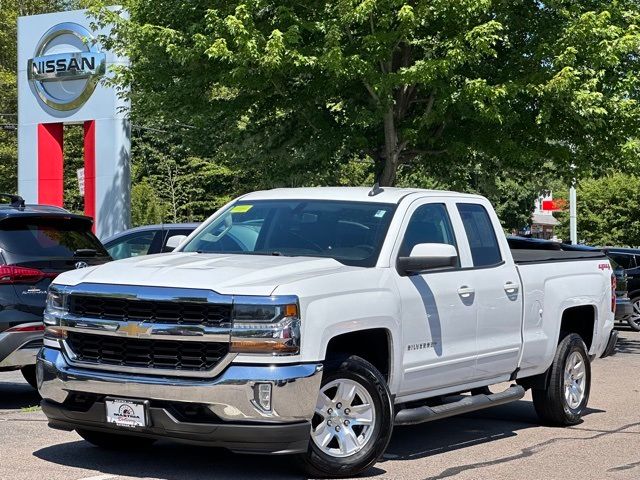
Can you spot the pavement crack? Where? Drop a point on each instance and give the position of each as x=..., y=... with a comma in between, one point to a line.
x=627, y=466
x=528, y=452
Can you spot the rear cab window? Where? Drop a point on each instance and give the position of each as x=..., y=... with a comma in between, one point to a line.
x=485, y=250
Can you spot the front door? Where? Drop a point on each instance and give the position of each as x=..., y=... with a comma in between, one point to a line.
x=438, y=308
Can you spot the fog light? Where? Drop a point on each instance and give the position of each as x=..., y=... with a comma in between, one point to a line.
x=263, y=395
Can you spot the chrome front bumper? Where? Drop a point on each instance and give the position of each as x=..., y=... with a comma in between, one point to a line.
x=230, y=396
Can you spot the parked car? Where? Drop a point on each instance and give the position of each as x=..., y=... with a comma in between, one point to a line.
x=629, y=259
x=310, y=321
x=624, y=307
x=148, y=240
x=37, y=242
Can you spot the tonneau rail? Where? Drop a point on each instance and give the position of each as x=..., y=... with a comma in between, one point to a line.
x=528, y=256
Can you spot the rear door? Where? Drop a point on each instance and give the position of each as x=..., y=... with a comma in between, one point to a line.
x=39, y=249
x=497, y=291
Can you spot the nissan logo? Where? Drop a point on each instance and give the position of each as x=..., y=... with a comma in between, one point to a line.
x=80, y=265
x=66, y=66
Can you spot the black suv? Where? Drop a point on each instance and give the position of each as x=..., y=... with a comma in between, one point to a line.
x=37, y=242
x=629, y=258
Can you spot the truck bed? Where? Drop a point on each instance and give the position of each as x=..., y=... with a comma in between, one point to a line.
x=529, y=256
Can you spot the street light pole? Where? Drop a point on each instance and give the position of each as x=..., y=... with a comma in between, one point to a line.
x=573, y=217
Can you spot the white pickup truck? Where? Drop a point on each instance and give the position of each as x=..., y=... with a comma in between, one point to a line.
x=311, y=321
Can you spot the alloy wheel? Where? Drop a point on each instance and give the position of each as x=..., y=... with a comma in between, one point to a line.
x=574, y=380
x=344, y=418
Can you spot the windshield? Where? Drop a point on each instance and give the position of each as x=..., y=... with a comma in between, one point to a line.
x=349, y=232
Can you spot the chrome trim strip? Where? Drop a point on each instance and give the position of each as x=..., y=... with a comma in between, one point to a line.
x=142, y=329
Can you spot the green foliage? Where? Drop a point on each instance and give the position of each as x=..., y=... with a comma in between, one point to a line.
x=290, y=88
x=608, y=211
x=146, y=207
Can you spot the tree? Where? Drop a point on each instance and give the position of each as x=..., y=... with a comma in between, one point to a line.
x=608, y=211
x=288, y=87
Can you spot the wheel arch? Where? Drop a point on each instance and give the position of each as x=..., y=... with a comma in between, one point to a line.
x=372, y=344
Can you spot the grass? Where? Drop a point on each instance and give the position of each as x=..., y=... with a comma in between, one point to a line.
x=35, y=408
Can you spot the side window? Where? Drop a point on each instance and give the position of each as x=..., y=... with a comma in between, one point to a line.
x=485, y=250
x=131, y=245
x=429, y=224
x=624, y=260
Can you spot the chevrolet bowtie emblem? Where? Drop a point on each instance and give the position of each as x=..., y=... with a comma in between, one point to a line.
x=134, y=329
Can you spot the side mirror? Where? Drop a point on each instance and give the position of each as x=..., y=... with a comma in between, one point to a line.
x=428, y=256
x=173, y=242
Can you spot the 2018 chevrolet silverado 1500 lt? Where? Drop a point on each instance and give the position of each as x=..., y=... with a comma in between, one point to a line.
x=311, y=321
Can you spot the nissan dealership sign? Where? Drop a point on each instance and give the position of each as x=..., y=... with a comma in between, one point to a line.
x=62, y=73
x=66, y=66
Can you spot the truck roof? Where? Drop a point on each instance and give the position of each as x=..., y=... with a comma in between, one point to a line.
x=355, y=194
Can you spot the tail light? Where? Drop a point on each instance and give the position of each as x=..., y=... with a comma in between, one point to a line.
x=614, y=285
x=10, y=274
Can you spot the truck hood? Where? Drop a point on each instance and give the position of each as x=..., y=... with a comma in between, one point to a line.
x=222, y=273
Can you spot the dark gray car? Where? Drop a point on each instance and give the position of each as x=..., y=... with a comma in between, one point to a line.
x=146, y=240
x=37, y=242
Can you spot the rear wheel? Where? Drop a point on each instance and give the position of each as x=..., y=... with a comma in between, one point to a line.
x=29, y=374
x=565, y=398
x=114, y=441
x=634, y=318
x=353, y=421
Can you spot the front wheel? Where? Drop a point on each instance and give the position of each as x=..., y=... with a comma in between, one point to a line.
x=353, y=421
x=565, y=398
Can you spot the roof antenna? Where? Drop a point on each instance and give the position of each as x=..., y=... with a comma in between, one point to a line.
x=16, y=200
x=376, y=190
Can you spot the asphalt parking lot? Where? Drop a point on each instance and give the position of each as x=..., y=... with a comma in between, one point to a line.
x=503, y=443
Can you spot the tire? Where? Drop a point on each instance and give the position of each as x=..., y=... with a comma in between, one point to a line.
x=634, y=318
x=558, y=404
x=114, y=441
x=353, y=441
x=29, y=374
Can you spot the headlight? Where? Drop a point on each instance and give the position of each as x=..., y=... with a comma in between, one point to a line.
x=55, y=300
x=56, y=307
x=268, y=325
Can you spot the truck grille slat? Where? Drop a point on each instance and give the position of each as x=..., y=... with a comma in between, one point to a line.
x=166, y=354
x=162, y=312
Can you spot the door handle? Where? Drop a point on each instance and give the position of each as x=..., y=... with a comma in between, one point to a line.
x=465, y=291
x=511, y=287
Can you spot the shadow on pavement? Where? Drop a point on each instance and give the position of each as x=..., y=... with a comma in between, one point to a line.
x=175, y=462
x=628, y=344
x=14, y=396
x=169, y=461
x=427, y=439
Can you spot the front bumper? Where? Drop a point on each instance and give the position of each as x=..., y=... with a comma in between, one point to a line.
x=234, y=419
x=19, y=349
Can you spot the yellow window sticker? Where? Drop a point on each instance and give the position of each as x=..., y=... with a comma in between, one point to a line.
x=241, y=208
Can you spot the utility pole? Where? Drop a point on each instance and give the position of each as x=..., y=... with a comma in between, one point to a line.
x=573, y=216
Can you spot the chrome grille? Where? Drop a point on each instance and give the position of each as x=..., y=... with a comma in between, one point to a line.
x=151, y=311
x=142, y=353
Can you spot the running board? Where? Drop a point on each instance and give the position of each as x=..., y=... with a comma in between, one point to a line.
x=412, y=416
